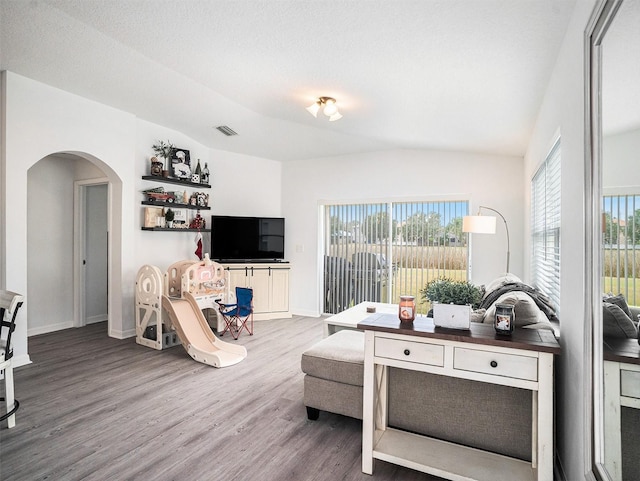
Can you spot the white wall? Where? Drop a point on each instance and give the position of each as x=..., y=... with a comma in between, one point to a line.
x=41, y=120
x=493, y=181
x=562, y=111
x=620, y=172
x=240, y=185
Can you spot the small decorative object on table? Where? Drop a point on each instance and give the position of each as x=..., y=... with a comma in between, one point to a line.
x=407, y=309
x=505, y=318
x=452, y=302
x=371, y=309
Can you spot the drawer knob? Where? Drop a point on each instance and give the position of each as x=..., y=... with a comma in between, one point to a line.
x=407, y=352
x=494, y=363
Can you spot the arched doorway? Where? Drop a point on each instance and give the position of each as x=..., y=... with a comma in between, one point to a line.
x=59, y=201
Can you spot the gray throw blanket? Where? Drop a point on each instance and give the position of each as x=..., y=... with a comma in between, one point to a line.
x=542, y=300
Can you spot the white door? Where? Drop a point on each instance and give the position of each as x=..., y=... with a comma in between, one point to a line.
x=95, y=259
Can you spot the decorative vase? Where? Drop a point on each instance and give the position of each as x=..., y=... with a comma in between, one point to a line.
x=452, y=316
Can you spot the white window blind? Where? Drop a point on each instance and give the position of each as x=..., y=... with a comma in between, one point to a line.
x=379, y=251
x=545, y=228
x=621, y=246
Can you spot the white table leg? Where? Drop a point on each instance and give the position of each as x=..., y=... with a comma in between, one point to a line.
x=543, y=423
x=9, y=394
x=368, y=404
x=611, y=428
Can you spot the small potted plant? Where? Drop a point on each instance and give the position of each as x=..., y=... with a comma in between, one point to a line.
x=168, y=217
x=164, y=149
x=452, y=301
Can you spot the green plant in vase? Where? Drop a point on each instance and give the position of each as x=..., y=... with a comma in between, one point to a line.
x=448, y=291
x=163, y=149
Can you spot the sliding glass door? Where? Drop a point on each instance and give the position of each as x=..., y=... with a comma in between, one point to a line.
x=379, y=251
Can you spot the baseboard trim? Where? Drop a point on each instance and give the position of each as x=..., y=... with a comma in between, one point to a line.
x=97, y=318
x=122, y=334
x=305, y=313
x=35, y=331
x=21, y=360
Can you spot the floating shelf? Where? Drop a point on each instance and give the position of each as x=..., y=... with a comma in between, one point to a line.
x=173, y=180
x=175, y=205
x=166, y=229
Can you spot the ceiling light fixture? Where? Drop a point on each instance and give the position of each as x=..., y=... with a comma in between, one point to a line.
x=329, y=108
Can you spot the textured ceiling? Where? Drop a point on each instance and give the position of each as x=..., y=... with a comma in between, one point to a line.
x=464, y=75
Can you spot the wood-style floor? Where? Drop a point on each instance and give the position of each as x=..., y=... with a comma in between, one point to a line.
x=96, y=408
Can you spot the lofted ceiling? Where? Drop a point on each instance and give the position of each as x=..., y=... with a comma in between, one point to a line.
x=465, y=75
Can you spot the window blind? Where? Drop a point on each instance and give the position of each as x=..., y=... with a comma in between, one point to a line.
x=621, y=246
x=379, y=251
x=545, y=226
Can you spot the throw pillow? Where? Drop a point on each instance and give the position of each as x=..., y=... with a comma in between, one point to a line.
x=525, y=309
x=499, y=282
x=615, y=323
x=621, y=302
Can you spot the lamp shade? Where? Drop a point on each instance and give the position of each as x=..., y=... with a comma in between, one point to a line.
x=313, y=108
x=479, y=224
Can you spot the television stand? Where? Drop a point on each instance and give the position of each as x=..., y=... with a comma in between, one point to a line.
x=269, y=281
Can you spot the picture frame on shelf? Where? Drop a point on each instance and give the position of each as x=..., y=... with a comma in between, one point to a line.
x=153, y=217
x=180, y=216
x=180, y=163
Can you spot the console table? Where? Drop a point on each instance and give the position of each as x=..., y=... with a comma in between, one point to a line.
x=349, y=318
x=523, y=360
x=621, y=389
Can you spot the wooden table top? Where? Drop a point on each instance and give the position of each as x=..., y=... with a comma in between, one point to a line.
x=542, y=340
x=621, y=350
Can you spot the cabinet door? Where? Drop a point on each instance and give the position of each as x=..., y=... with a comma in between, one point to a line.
x=236, y=278
x=279, y=290
x=258, y=280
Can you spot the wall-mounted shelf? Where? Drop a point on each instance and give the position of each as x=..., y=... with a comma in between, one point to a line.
x=162, y=202
x=174, y=205
x=167, y=229
x=172, y=180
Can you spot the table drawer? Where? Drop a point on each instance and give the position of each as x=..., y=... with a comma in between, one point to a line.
x=499, y=364
x=630, y=383
x=401, y=350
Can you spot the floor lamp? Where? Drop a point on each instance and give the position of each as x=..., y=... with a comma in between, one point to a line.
x=482, y=224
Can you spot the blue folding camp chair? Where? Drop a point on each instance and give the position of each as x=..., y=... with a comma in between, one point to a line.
x=238, y=316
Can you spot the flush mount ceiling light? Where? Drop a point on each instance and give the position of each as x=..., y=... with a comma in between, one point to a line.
x=329, y=108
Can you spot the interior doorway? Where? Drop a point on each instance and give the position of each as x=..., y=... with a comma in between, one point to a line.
x=58, y=206
x=95, y=261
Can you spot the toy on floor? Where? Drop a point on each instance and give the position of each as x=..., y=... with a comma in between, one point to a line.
x=171, y=311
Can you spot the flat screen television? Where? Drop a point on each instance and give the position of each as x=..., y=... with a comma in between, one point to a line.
x=244, y=239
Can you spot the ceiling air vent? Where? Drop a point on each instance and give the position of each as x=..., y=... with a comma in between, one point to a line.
x=228, y=131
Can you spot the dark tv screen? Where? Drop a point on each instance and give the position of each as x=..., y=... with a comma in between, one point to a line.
x=236, y=238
